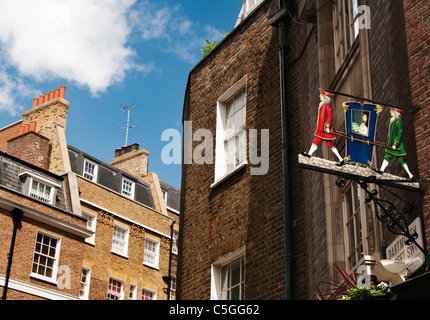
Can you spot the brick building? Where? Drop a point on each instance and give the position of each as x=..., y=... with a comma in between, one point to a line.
x=43, y=233
x=279, y=234
x=118, y=218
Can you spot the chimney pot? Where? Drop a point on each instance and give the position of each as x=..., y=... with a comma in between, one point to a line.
x=41, y=100
x=47, y=97
x=134, y=146
x=57, y=93
x=62, y=91
x=35, y=102
x=117, y=152
x=52, y=95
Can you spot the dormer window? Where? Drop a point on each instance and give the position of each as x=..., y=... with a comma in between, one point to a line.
x=39, y=188
x=127, y=188
x=90, y=170
x=164, y=193
x=41, y=191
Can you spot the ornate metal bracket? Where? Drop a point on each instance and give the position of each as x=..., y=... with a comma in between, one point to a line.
x=394, y=220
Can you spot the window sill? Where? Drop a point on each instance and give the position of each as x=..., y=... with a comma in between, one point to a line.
x=43, y=278
x=90, y=242
x=151, y=266
x=228, y=175
x=119, y=254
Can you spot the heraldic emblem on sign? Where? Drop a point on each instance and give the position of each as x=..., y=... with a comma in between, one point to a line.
x=361, y=121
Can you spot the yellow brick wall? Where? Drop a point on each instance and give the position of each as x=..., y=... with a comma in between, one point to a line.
x=99, y=258
x=47, y=117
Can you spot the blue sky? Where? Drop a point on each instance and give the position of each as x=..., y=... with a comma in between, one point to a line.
x=108, y=54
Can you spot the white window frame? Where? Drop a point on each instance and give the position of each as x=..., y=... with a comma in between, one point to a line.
x=146, y=290
x=216, y=273
x=172, y=288
x=121, y=242
x=41, y=255
x=175, y=242
x=150, y=254
x=87, y=175
x=91, y=225
x=164, y=194
x=250, y=5
x=30, y=178
x=225, y=165
x=121, y=294
x=247, y=8
x=133, y=292
x=361, y=228
x=127, y=193
x=84, y=286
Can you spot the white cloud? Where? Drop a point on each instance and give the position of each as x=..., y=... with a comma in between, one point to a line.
x=88, y=42
x=84, y=41
x=12, y=87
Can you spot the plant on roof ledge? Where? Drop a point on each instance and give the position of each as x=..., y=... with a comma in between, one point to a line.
x=208, y=48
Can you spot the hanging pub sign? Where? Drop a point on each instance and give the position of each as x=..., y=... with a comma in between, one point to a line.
x=361, y=126
x=361, y=121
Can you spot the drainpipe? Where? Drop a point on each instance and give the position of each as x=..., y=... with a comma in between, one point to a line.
x=279, y=20
x=16, y=217
x=168, y=279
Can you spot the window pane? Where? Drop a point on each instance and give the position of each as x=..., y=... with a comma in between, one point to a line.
x=235, y=293
x=127, y=188
x=151, y=252
x=119, y=242
x=114, y=289
x=89, y=170
x=44, y=258
x=235, y=272
x=225, y=277
x=147, y=295
x=40, y=191
x=232, y=280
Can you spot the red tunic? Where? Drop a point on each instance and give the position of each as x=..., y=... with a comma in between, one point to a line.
x=324, y=121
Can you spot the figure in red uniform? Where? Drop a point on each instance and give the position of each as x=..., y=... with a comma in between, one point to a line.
x=324, y=130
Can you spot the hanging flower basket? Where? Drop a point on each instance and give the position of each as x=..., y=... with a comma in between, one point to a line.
x=369, y=292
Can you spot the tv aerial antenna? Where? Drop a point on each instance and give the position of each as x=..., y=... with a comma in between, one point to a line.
x=128, y=110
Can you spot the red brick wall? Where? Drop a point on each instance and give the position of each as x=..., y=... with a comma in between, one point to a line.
x=417, y=21
x=8, y=133
x=31, y=147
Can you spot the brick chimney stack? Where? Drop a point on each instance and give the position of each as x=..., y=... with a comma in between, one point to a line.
x=132, y=160
x=30, y=146
x=50, y=113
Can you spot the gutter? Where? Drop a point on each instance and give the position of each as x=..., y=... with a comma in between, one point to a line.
x=46, y=218
x=279, y=20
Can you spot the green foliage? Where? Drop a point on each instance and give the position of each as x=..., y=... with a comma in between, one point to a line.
x=208, y=48
x=364, y=291
x=210, y=45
